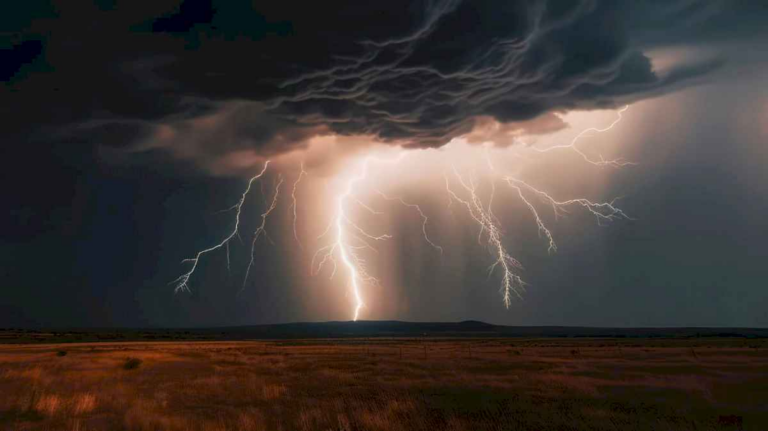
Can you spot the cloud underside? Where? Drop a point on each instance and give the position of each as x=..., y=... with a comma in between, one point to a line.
x=206, y=80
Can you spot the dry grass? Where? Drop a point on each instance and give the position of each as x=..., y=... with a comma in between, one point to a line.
x=387, y=385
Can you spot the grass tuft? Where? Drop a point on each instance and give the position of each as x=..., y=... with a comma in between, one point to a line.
x=132, y=363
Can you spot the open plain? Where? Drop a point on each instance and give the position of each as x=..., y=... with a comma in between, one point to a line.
x=387, y=384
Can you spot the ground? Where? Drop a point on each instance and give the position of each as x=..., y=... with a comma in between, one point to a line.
x=387, y=384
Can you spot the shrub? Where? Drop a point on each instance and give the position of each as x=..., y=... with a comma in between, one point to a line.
x=61, y=353
x=132, y=363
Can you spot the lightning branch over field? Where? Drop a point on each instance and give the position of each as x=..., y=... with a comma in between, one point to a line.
x=616, y=163
x=349, y=239
x=262, y=229
x=182, y=283
x=510, y=282
x=354, y=264
x=424, y=218
x=295, y=204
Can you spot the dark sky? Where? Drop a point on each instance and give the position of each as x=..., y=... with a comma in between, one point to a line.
x=125, y=124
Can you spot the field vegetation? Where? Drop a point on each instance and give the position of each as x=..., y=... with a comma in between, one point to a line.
x=387, y=384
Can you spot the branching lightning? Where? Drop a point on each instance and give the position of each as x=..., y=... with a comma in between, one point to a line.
x=347, y=253
x=182, y=283
x=510, y=281
x=367, y=208
x=424, y=218
x=603, y=211
x=262, y=229
x=294, y=205
x=616, y=163
x=349, y=239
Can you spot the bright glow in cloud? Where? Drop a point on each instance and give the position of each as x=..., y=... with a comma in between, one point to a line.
x=356, y=190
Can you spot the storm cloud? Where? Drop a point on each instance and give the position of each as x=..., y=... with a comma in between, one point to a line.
x=128, y=125
x=203, y=80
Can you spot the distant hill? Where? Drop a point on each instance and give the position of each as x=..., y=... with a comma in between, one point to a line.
x=364, y=329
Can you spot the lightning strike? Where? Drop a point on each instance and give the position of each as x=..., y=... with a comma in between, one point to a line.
x=261, y=230
x=349, y=238
x=294, y=205
x=511, y=283
x=490, y=225
x=616, y=163
x=355, y=265
x=424, y=219
x=182, y=283
x=369, y=209
x=603, y=211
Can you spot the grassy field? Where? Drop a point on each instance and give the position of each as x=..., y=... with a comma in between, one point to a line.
x=387, y=384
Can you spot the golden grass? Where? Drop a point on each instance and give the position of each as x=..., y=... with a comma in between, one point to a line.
x=273, y=392
x=387, y=385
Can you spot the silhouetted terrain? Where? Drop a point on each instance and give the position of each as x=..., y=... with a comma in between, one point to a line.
x=364, y=329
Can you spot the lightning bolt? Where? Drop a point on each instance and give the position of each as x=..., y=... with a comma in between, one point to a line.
x=367, y=208
x=511, y=283
x=424, y=219
x=349, y=238
x=294, y=205
x=603, y=211
x=261, y=230
x=616, y=163
x=182, y=283
x=354, y=264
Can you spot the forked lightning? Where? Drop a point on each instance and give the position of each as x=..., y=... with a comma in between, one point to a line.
x=349, y=238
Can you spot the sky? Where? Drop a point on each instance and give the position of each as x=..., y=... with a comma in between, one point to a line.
x=131, y=129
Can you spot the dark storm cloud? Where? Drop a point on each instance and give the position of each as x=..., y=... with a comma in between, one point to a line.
x=164, y=83
x=268, y=76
